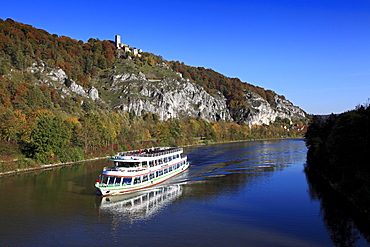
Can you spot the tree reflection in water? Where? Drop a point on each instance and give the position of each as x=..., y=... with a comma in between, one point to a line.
x=347, y=219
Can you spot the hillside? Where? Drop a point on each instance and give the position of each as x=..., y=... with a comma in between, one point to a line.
x=62, y=99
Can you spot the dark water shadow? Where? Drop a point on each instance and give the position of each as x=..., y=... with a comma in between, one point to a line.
x=345, y=212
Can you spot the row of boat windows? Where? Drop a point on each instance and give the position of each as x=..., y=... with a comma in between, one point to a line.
x=145, y=164
x=110, y=180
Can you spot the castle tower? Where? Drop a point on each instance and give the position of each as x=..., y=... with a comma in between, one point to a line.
x=118, y=41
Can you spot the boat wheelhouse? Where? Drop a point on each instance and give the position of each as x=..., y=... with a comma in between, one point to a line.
x=141, y=169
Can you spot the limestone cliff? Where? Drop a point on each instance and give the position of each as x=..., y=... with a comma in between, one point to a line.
x=168, y=97
x=261, y=112
x=57, y=78
x=171, y=98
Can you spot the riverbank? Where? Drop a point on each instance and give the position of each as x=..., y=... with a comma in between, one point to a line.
x=49, y=166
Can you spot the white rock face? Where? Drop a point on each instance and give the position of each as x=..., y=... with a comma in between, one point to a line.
x=93, y=93
x=261, y=112
x=172, y=98
x=52, y=75
x=57, y=75
x=36, y=67
x=78, y=89
x=118, y=78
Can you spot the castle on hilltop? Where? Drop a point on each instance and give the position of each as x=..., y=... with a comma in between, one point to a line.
x=127, y=48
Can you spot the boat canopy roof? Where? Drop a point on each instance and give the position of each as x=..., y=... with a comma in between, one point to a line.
x=146, y=153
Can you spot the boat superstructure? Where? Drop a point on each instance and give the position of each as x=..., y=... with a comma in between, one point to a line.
x=140, y=169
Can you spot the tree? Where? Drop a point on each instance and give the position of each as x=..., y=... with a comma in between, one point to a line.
x=49, y=139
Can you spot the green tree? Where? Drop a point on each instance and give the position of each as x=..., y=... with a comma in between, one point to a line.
x=49, y=139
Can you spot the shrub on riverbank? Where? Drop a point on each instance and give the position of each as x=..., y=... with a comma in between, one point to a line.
x=18, y=164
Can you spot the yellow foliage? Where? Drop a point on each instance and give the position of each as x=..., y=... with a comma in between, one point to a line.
x=40, y=113
x=72, y=120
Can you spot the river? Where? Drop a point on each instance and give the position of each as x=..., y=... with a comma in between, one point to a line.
x=235, y=194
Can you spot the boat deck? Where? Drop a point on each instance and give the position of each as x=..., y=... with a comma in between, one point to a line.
x=151, y=152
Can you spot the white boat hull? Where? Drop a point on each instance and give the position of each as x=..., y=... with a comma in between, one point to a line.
x=107, y=190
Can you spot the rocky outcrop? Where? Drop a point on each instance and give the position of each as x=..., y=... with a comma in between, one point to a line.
x=93, y=93
x=262, y=112
x=57, y=78
x=171, y=98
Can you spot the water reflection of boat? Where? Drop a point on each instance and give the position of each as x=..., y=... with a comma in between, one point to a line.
x=140, y=169
x=141, y=204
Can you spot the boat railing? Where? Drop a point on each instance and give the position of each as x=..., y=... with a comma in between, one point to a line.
x=152, y=152
x=121, y=169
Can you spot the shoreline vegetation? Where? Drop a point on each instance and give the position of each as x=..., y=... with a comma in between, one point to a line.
x=37, y=167
x=338, y=154
x=338, y=172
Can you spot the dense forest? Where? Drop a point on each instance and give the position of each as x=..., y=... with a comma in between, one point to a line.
x=339, y=152
x=39, y=125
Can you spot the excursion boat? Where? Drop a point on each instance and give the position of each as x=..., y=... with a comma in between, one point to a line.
x=141, y=169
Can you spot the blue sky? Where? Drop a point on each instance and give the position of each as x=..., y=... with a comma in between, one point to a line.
x=315, y=52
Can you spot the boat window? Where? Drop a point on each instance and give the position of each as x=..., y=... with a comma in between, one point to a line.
x=145, y=164
x=111, y=180
x=104, y=179
x=160, y=172
x=151, y=163
x=127, y=164
x=118, y=180
x=170, y=169
x=165, y=170
x=151, y=176
x=127, y=180
x=137, y=180
x=145, y=178
x=165, y=160
x=156, y=174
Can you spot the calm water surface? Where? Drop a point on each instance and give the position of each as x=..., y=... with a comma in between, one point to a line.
x=241, y=194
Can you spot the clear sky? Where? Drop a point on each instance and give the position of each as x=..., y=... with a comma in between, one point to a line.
x=315, y=52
